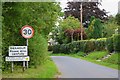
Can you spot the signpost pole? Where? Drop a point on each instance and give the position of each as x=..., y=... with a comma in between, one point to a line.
x=27, y=50
x=23, y=66
x=12, y=64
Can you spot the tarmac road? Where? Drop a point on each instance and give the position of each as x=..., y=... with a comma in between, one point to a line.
x=76, y=68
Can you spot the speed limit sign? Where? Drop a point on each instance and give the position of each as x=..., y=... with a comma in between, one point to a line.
x=27, y=31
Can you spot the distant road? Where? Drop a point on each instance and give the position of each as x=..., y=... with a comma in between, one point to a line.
x=76, y=68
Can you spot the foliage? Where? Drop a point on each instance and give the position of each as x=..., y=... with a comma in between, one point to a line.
x=41, y=16
x=118, y=19
x=109, y=27
x=95, y=28
x=81, y=46
x=66, y=29
x=116, y=43
x=89, y=9
x=109, y=43
x=37, y=50
x=69, y=23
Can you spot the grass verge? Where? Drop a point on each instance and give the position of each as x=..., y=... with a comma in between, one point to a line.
x=92, y=58
x=47, y=70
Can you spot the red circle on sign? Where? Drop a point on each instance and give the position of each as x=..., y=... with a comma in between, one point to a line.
x=24, y=27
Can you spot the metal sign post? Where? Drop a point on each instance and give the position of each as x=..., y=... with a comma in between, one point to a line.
x=27, y=32
x=23, y=66
x=12, y=68
x=20, y=53
x=27, y=49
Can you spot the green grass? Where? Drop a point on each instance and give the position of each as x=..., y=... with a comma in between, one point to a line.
x=92, y=58
x=97, y=55
x=113, y=59
x=47, y=70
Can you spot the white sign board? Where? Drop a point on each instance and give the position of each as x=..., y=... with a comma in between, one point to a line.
x=17, y=58
x=27, y=31
x=17, y=50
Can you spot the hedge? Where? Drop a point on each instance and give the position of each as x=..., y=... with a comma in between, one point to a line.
x=116, y=43
x=110, y=44
x=82, y=45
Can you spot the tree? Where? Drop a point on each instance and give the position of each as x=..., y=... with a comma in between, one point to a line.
x=95, y=29
x=118, y=19
x=89, y=9
x=41, y=16
x=68, y=25
x=109, y=27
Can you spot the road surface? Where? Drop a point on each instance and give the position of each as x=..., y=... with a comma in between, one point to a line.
x=76, y=68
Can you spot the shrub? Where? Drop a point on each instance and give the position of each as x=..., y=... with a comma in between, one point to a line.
x=109, y=44
x=116, y=42
x=56, y=48
x=81, y=54
x=82, y=45
x=89, y=46
x=100, y=44
x=37, y=50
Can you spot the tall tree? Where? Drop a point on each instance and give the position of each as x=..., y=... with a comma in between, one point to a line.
x=41, y=16
x=89, y=9
x=95, y=29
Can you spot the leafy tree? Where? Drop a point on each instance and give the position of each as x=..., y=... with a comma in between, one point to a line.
x=95, y=28
x=109, y=27
x=118, y=19
x=68, y=24
x=89, y=9
x=41, y=16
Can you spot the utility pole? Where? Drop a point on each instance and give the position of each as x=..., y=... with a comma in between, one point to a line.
x=81, y=10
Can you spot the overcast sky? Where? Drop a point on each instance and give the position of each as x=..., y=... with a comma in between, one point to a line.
x=109, y=5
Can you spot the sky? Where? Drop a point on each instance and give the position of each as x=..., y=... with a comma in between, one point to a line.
x=110, y=6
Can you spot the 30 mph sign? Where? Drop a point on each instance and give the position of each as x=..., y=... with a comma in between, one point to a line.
x=27, y=31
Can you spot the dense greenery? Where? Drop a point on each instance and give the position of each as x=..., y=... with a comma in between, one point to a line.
x=118, y=19
x=109, y=27
x=66, y=29
x=41, y=16
x=95, y=28
x=87, y=46
x=82, y=45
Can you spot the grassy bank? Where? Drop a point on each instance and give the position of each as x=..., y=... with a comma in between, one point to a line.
x=47, y=70
x=92, y=57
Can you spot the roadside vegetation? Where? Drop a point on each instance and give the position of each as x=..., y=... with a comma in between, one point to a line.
x=42, y=16
x=46, y=70
x=111, y=62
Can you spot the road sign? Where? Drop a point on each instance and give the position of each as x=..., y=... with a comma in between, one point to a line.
x=17, y=58
x=27, y=31
x=18, y=51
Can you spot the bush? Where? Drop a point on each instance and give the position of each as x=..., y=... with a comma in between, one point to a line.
x=100, y=44
x=81, y=54
x=82, y=45
x=116, y=43
x=37, y=50
x=56, y=48
x=109, y=44
x=89, y=46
